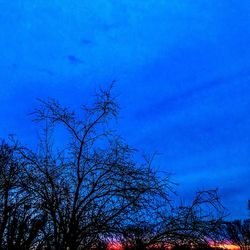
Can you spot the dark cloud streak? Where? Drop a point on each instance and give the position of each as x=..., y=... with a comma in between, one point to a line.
x=168, y=104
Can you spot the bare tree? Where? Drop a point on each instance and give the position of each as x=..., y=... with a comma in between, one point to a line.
x=20, y=224
x=8, y=185
x=93, y=186
x=196, y=225
x=238, y=233
x=85, y=188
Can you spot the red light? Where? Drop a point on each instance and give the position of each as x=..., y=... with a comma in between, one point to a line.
x=115, y=246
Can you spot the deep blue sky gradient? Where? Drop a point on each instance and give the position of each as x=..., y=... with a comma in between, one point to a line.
x=183, y=71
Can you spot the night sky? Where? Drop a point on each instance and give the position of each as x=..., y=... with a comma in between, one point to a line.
x=183, y=79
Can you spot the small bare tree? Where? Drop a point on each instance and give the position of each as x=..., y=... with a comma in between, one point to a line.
x=238, y=233
x=195, y=226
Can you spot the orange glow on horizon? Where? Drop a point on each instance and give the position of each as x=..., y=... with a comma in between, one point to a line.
x=118, y=246
x=227, y=246
x=115, y=246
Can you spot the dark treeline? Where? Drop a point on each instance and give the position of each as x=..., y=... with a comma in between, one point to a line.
x=89, y=190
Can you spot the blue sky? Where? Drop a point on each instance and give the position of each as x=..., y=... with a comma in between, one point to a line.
x=182, y=71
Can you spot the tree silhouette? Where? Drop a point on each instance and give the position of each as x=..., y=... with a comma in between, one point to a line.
x=20, y=224
x=195, y=226
x=238, y=233
x=87, y=188
x=93, y=185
